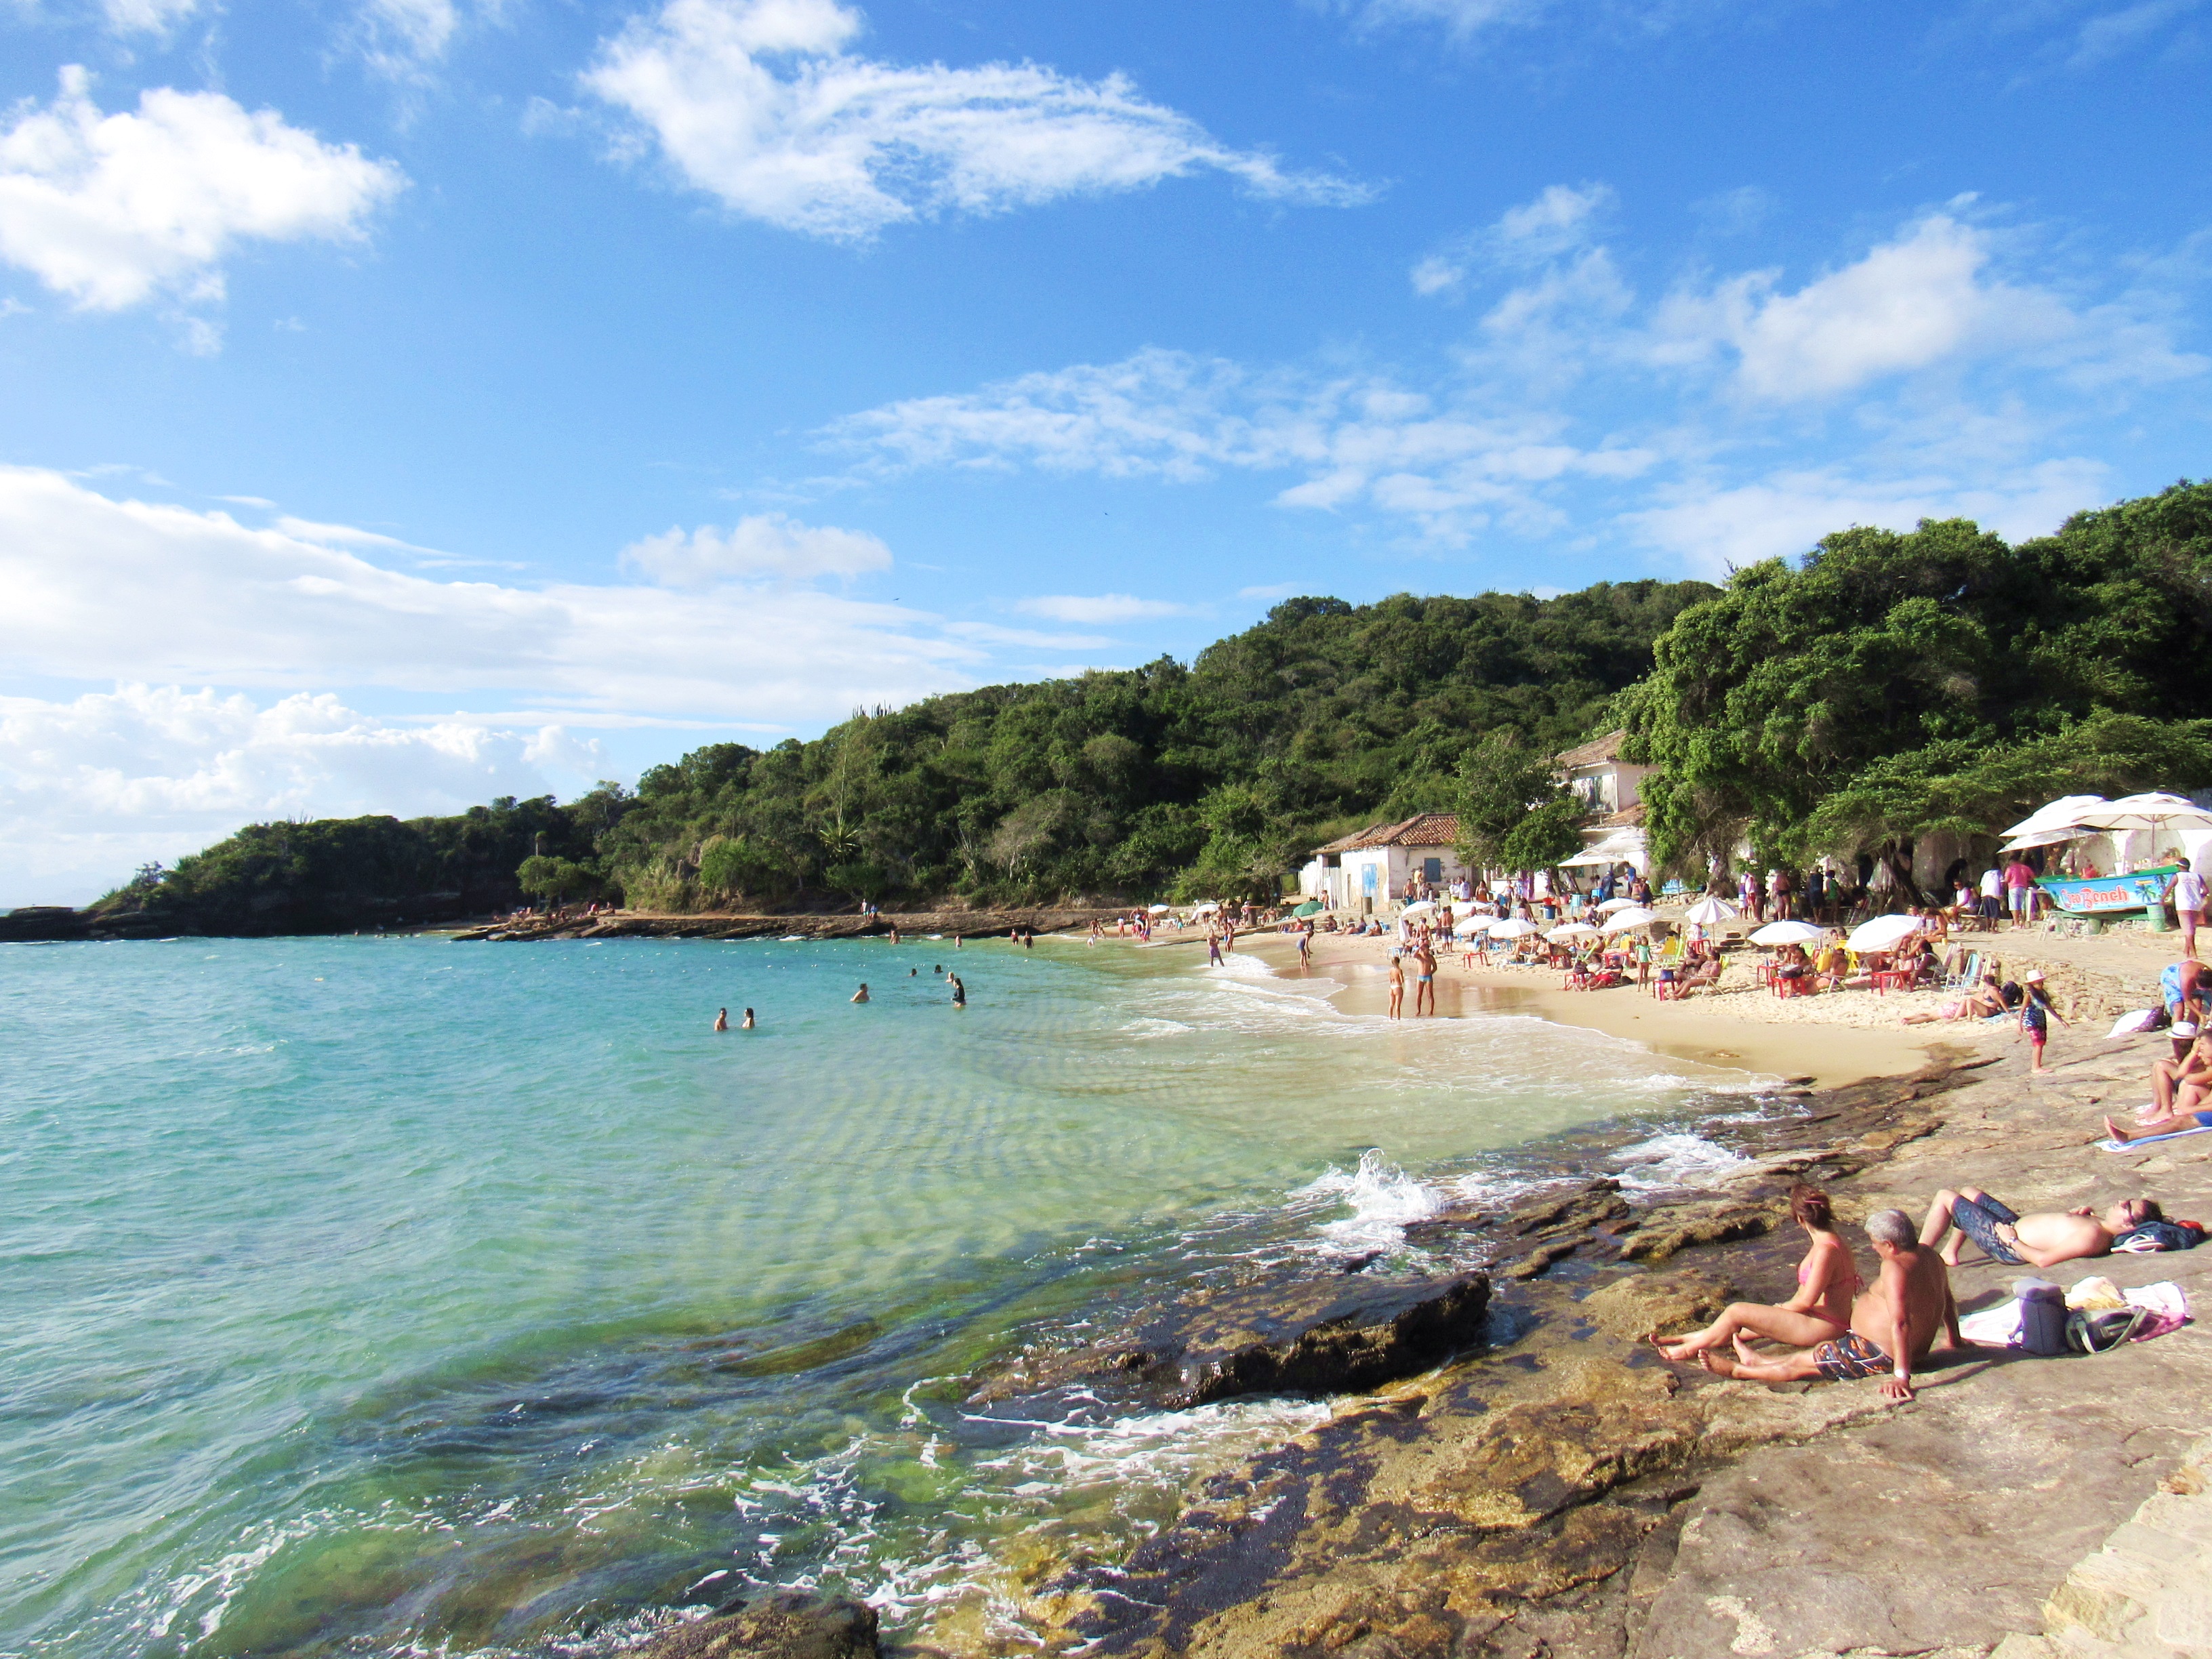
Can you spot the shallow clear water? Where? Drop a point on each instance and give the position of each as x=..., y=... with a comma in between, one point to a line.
x=404, y=1295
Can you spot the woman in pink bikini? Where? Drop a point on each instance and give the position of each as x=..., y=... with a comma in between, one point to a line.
x=1827, y=1280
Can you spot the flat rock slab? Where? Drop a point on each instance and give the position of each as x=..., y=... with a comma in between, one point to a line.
x=782, y=1625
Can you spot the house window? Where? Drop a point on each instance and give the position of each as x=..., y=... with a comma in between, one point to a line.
x=1432, y=871
x=1367, y=880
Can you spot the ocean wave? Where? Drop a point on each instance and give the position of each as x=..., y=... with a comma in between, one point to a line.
x=1673, y=1160
x=1382, y=1198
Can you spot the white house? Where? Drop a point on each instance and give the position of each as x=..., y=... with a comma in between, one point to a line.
x=1612, y=789
x=1365, y=872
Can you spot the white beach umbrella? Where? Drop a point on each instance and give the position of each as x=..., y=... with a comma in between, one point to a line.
x=1418, y=907
x=1470, y=927
x=1612, y=905
x=2066, y=809
x=1511, y=927
x=1574, y=930
x=1787, y=932
x=1157, y=910
x=1883, y=933
x=1636, y=916
x=2155, y=810
x=1206, y=907
x=1707, y=911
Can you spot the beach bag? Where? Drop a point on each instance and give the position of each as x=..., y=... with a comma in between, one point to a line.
x=2042, y=1316
x=2102, y=1331
x=2160, y=1235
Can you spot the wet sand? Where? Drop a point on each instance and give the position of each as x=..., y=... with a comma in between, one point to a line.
x=1726, y=1030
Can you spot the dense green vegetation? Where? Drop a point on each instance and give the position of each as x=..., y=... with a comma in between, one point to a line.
x=1890, y=686
x=1212, y=778
x=1882, y=688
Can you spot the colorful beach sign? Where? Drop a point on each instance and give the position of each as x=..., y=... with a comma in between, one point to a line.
x=2097, y=895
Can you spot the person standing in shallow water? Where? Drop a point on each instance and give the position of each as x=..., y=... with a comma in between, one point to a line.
x=722, y=1019
x=747, y=1023
x=959, y=990
x=1397, y=986
x=1425, y=978
x=862, y=995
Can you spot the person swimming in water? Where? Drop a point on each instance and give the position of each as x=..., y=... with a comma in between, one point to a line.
x=862, y=995
x=747, y=1023
x=722, y=1019
x=959, y=991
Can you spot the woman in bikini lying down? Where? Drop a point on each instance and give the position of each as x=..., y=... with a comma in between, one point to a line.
x=1827, y=1280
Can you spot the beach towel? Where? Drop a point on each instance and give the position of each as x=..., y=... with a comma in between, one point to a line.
x=2166, y=1305
x=1993, y=1328
x=2150, y=1141
x=2142, y=1019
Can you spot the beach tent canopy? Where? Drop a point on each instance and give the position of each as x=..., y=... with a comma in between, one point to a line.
x=1883, y=933
x=1635, y=916
x=1786, y=933
x=1311, y=907
x=1574, y=930
x=2058, y=814
x=1511, y=927
x=1707, y=911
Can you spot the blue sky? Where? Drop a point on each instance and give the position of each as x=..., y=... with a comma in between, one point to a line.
x=410, y=401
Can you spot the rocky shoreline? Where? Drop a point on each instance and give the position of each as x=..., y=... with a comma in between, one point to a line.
x=634, y=924
x=1558, y=1490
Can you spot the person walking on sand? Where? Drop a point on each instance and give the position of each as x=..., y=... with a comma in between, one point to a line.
x=1397, y=986
x=862, y=995
x=722, y=1019
x=1425, y=979
x=2036, y=1014
x=1894, y=1325
x=2020, y=890
x=1827, y=1280
x=2186, y=890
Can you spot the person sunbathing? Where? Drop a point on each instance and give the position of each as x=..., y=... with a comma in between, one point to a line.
x=1828, y=1279
x=1892, y=1328
x=1984, y=1001
x=2148, y=1128
x=2027, y=1241
x=2181, y=1085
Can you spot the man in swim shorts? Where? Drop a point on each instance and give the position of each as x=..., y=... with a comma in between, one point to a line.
x=1425, y=979
x=2027, y=1241
x=1893, y=1322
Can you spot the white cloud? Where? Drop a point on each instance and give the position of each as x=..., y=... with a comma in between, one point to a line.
x=1272, y=590
x=111, y=208
x=92, y=787
x=1921, y=299
x=760, y=104
x=767, y=544
x=399, y=37
x=100, y=589
x=1711, y=530
x=1562, y=219
x=156, y=17
x=1100, y=609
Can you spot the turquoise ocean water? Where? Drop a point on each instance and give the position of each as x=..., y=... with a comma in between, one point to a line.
x=397, y=1296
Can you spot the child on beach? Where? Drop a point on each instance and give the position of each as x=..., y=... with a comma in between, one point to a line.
x=2036, y=1014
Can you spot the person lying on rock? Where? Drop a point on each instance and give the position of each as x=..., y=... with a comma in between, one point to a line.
x=1828, y=1279
x=1892, y=1328
x=2027, y=1241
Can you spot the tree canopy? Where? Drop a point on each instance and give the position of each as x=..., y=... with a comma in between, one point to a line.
x=1888, y=685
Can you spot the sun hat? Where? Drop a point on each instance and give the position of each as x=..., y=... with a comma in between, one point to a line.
x=2034, y=976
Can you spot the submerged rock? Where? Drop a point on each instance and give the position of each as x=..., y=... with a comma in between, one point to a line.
x=782, y=1625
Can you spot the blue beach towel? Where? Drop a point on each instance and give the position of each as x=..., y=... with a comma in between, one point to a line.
x=2152, y=1140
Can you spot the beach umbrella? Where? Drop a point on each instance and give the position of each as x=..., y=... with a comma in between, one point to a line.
x=1636, y=916
x=1787, y=932
x=1205, y=908
x=2066, y=809
x=1311, y=907
x=1883, y=933
x=2157, y=812
x=1418, y=907
x=1511, y=927
x=1157, y=910
x=1574, y=930
x=1707, y=911
x=1612, y=905
x=1470, y=927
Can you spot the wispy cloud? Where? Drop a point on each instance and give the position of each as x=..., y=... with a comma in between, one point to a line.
x=1098, y=608
x=761, y=103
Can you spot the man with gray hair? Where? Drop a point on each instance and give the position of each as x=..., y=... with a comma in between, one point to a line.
x=1893, y=1322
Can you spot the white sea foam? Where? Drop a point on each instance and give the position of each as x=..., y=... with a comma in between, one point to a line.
x=1382, y=1199
x=1673, y=1160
